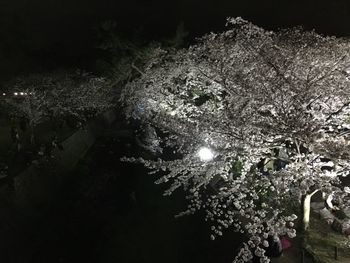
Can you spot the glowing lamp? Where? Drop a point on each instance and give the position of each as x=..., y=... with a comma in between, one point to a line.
x=205, y=154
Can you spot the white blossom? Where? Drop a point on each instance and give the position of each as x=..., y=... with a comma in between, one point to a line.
x=269, y=104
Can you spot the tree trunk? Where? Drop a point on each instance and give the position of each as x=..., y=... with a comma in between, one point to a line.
x=32, y=135
x=307, y=209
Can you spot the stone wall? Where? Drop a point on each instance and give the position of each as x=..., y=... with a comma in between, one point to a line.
x=38, y=184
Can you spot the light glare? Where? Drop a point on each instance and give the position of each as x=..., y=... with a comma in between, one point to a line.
x=205, y=154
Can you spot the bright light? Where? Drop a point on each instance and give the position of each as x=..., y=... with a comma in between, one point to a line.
x=205, y=154
x=22, y=93
x=4, y=94
x=15, y=93
x=347, y=71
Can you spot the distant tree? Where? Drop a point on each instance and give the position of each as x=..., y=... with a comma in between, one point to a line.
x=58, y=95
x=126, y=56
x=239, y=99
x=179, y=39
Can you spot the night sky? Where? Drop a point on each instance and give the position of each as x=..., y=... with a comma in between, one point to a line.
x=44, y=34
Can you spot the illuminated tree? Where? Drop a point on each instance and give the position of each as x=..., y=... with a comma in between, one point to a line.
x=238, y=100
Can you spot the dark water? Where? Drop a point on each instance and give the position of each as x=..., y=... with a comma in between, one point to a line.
x=108, y=211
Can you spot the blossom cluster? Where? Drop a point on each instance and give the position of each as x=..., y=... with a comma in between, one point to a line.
x=254, y=97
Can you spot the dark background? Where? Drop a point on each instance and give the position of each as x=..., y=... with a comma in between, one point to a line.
x=45, y=34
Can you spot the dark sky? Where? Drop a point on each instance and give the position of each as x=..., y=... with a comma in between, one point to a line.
x=43, y=33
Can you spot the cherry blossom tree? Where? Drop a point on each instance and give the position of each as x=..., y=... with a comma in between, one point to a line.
x=243, y=98
x=58, y=95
